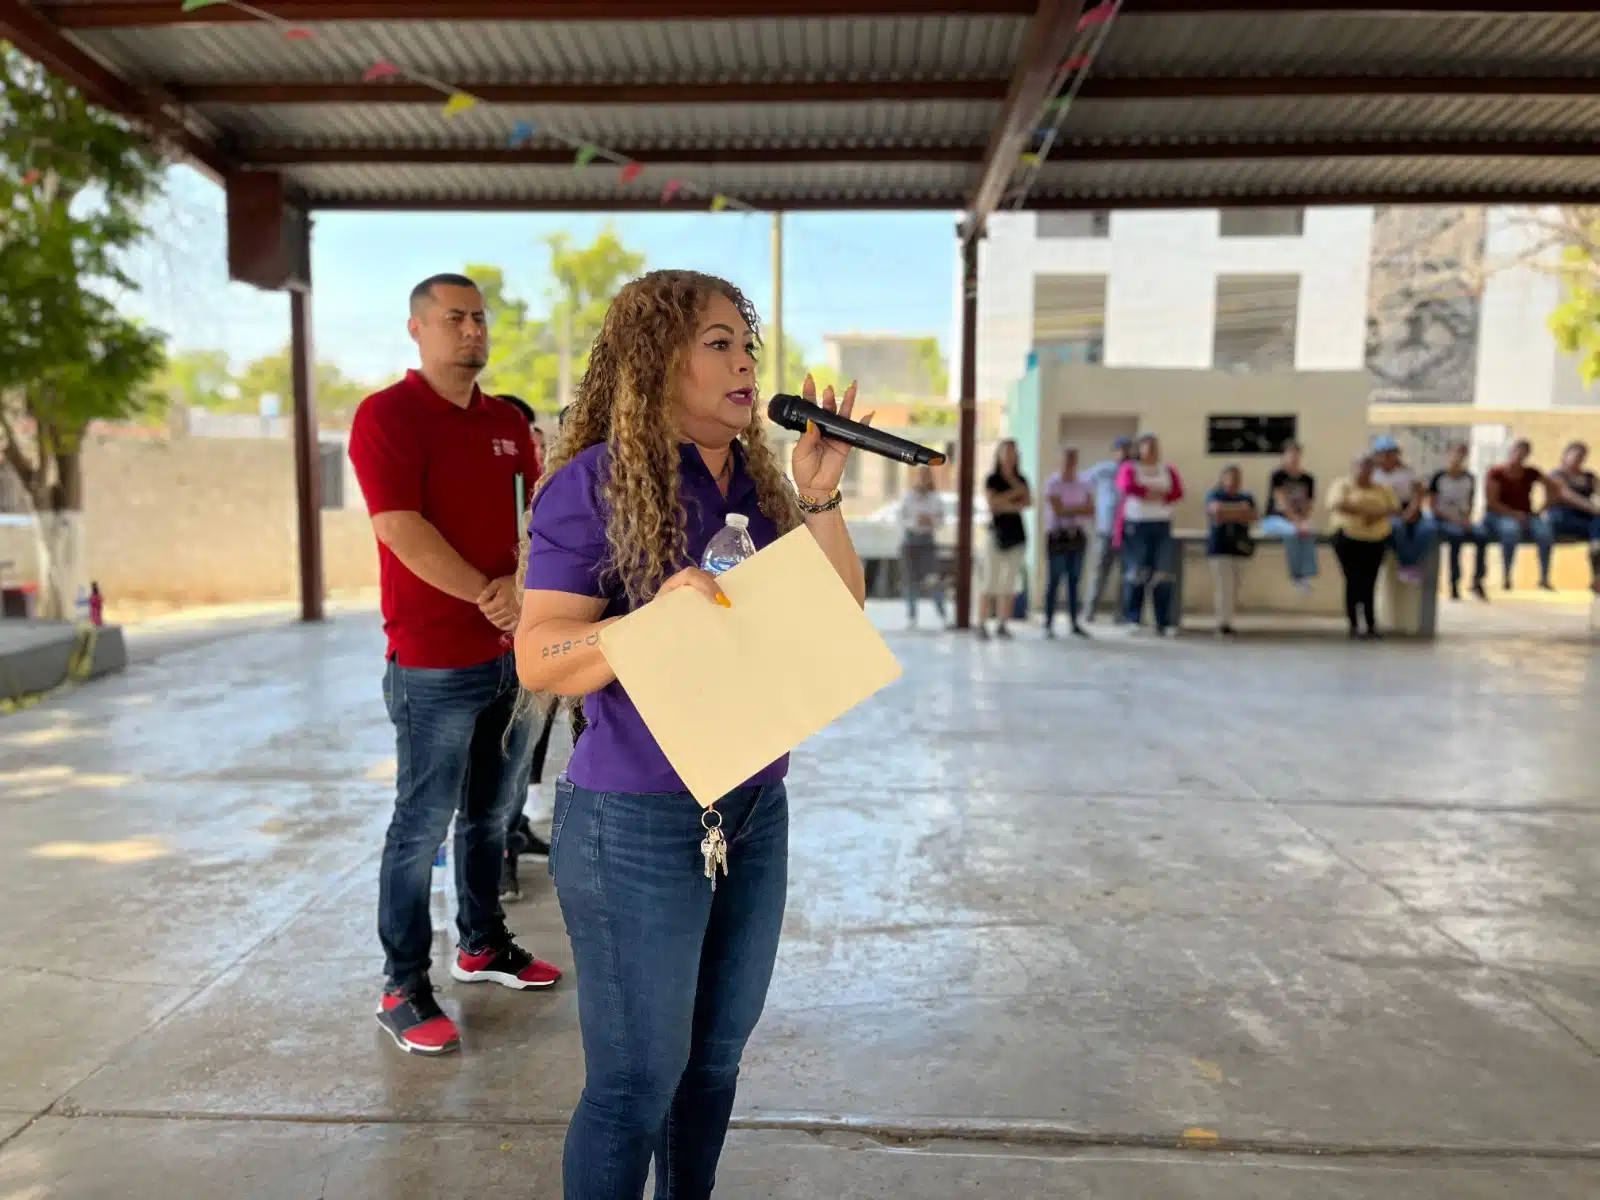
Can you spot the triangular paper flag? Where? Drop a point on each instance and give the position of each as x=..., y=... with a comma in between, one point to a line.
x=584, y=157
x=31, y=178
x=458, y=103
x=191, y=5
x=1059, y=103
x=1078, y=62
x=1029, y=160
x=521, y=132
x=1098, y=15
x=719, y=202
x=297, y=34
x=631, y=172
x=671, y=190
x=382, y=69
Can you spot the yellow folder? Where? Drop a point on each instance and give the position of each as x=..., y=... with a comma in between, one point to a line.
x=726, y=691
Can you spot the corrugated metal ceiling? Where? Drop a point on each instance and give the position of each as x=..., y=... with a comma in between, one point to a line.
x=1373, y=43
x=635, y=127
x=577, y=52
x=1230, y=46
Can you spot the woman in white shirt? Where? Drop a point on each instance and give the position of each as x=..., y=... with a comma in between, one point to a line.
x=1150, y=489
x=921, y=515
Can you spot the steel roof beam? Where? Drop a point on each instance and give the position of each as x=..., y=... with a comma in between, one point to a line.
x=595, y=94
x=133, y=14
x=1051, y=34
x=1066, y=154
x=954, y=203
x=30, y=33
x=1102, y=89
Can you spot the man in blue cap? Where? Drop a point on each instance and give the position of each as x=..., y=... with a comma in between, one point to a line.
x=1102, y=477
x=1414, y=536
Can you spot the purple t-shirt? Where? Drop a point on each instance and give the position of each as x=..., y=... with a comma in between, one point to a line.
x=567, y=551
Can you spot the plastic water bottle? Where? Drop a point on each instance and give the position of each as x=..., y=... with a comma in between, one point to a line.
x=729, y=546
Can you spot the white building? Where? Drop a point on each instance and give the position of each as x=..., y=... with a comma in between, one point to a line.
x=1239, y=289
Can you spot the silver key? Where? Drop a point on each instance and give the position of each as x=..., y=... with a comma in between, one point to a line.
x=714, y=849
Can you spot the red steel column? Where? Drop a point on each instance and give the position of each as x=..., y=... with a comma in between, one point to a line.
x=968, y=449
x=307, y=456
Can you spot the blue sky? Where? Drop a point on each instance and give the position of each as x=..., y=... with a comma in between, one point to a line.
x=863, y=273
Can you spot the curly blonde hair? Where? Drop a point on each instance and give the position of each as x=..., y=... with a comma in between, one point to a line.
x=625, y=399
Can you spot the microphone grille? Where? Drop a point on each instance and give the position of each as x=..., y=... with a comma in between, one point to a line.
x=781, y=411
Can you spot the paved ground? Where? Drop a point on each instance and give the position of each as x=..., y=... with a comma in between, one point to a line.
x=1292, y=920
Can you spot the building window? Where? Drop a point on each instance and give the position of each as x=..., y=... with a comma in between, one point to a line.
x=1069, y=317
x=1263, y=222
x=1094, y=223
x=1256, y=319
x=332, y=466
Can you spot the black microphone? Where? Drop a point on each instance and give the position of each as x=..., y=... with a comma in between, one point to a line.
x=792, y=413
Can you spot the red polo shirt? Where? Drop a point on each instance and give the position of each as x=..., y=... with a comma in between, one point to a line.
x=414, y=451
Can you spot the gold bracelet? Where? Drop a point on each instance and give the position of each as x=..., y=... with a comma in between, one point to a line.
x=813, y=508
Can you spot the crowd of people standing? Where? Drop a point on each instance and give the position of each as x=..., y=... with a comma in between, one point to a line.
x=1118, y=514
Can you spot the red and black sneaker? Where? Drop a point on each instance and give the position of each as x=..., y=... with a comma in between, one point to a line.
x=417, y=1024
x=509, y=965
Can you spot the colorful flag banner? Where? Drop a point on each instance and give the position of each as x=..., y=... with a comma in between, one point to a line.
x=296, y=33
x=719, y=202
x=1059, y=103
x=671, y=190
x=1078, y=62
x=191, y=5
x=584, y=156
x=459, y=103
x=521, y=132
x=1029, y=160
x=631, y=172
x=382, y=69
x=1098, y=15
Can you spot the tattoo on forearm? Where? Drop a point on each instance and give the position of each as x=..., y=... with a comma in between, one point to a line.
x=556, y=649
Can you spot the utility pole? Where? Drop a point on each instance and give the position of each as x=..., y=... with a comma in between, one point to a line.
x=564, y=348
x=777, y=302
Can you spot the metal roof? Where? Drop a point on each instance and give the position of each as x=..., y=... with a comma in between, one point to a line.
x=857, y=103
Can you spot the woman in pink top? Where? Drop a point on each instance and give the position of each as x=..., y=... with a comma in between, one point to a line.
x=1150, y=489
x=1069, y=517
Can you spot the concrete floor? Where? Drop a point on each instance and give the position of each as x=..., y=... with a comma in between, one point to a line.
x=1286, y=919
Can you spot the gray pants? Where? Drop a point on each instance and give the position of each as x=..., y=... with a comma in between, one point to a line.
x=919, y=558
x=1106, y=560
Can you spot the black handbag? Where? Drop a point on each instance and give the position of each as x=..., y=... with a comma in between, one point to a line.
x=1239, y=544
x=1067, y=541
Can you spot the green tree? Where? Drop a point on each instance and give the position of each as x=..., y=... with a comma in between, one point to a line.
x=794, y=364
x=525, y=352
x=334, y=393
x=197, y=378
x=931, y=366
x=1576, y=321
x=74, y=185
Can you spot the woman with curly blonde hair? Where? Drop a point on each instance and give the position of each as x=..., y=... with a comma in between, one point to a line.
x=662, y=443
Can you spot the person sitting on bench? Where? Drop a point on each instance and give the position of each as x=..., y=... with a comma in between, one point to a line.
x=1508, y=497
x=1574, y=510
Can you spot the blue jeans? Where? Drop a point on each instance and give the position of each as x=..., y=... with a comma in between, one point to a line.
x=1412, y=539
x=1147, y=548
x=672, y=977
x=1455, y=534
x=1069, y=567
x=1571, y=523
x=1510, y=532
x=1299, y=548
x=452, y=758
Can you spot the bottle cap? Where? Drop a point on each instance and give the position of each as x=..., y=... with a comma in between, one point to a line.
x=739, y=520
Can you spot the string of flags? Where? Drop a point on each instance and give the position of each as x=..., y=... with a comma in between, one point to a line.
x=459, y=100
x=1073, y=70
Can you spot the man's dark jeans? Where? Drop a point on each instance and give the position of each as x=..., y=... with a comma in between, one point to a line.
x=672, y=977
x=452, y=759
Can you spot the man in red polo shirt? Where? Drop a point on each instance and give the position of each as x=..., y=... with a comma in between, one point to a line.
x=445, y=470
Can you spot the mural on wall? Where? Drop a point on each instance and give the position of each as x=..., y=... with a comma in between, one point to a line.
x=1425, y=303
